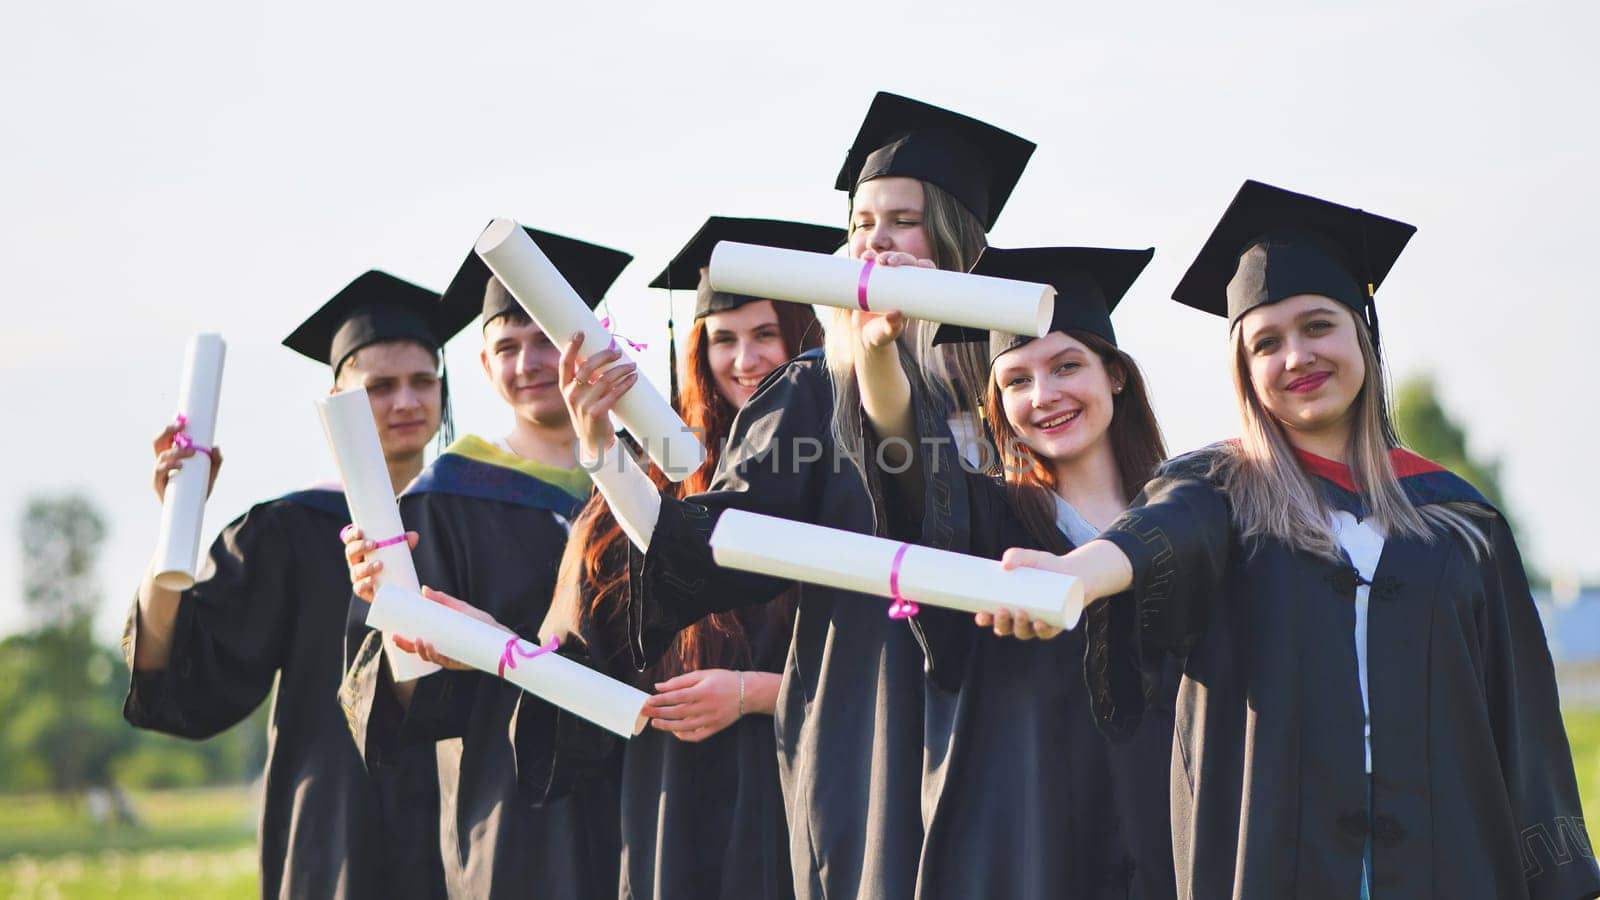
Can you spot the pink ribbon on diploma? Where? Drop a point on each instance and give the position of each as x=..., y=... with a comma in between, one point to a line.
x=344, y=535
x=861, y=286
x=508, y=658
x=637, y=347
x=182, y=440
x=902, y=607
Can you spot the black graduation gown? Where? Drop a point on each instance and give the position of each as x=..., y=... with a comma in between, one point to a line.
x=702, y=820
x=1035, y=803
x=489, y=535
x=271, y=602
x=849, y=715
x=1473, y=793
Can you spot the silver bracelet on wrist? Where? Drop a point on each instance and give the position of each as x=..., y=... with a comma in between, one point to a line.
x=741, y=695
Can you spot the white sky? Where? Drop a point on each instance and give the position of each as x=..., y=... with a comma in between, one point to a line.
x=186, y=166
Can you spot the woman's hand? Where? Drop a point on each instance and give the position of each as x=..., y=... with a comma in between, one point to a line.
x=695, y=705
x=591, y=390
x=170, y=457
x=1100, y=565
x=875, y=330
x=1007, y=623
x=1010, y=623
x=364, y=572
x=426, y=650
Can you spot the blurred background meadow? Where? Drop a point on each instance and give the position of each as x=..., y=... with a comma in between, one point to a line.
x=195, y=166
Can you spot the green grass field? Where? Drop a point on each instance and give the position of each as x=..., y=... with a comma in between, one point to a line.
x=1583, y=730
x=194, y=843
x=201, y=843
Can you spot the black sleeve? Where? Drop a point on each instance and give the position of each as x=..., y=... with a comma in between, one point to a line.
x=229, y=636
x=380, y=726
x=555, y=750
x=1531, y=739
x=773, y=464
x=1179, y=537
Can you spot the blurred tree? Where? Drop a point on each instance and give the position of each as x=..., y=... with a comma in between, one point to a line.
x=57, y=721
x=61, y=539
x=1428, y=429
x=61, y=694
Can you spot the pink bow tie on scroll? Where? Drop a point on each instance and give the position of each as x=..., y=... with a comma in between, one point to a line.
x=508, y=659
x=636, y=347
x=344, y=535
x=901, y=607
x=182, y=440
x=861, y=286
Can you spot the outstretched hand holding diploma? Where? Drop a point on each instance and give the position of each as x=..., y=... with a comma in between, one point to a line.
x=1101, y=566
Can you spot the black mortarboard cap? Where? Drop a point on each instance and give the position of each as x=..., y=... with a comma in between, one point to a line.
x=375, y=307
x=683, y=272
x=1089, y=283
x=974, y=161
x=1273, y=244
x=589, y=268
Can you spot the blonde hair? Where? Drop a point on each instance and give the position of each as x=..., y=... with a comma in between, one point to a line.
x=1272, y=497
x=953, y=371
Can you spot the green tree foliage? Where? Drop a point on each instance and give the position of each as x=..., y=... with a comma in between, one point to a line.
x=61, y=694
x=1426, y=427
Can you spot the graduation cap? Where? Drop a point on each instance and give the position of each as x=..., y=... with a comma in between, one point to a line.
x=375, y=307
x=974, y=161
x=1273, y=244
x=1089, y=283
x=683, y=272
x=589, y=268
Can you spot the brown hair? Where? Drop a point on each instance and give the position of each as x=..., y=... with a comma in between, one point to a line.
x=602, y=549
x=1135, y=435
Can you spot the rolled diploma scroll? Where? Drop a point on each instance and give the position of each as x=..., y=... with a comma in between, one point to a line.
x=559, y=312
x=934, y=295
x=580, y=690
x=632, y=497
x=353, y=436
x=183, y=504
x=862, y=563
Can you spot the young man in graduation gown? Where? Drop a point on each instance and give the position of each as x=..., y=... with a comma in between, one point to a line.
x=272, y=603
x=492, y=519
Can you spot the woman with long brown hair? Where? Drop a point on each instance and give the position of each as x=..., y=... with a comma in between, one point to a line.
x=1368, y=706
x=925, y=185
x=702, y=811
x=1074, y=438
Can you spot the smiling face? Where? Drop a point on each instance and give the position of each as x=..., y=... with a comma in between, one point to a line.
x=888, y=214
x=402, y=382
x=742, y=346
x=1057, y=396
x=523, y=366
x=1304, y=360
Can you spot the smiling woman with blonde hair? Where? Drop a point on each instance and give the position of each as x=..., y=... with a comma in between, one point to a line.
x=1368, y=705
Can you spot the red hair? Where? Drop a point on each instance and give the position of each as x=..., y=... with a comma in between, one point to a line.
x=720, y=639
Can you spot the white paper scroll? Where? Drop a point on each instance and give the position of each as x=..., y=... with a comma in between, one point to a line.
x=559, y=312
x=634, y=500
x=934, y=295
x=607, y=702
x=353, y=436
x=183, y=504
x=859, y=562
